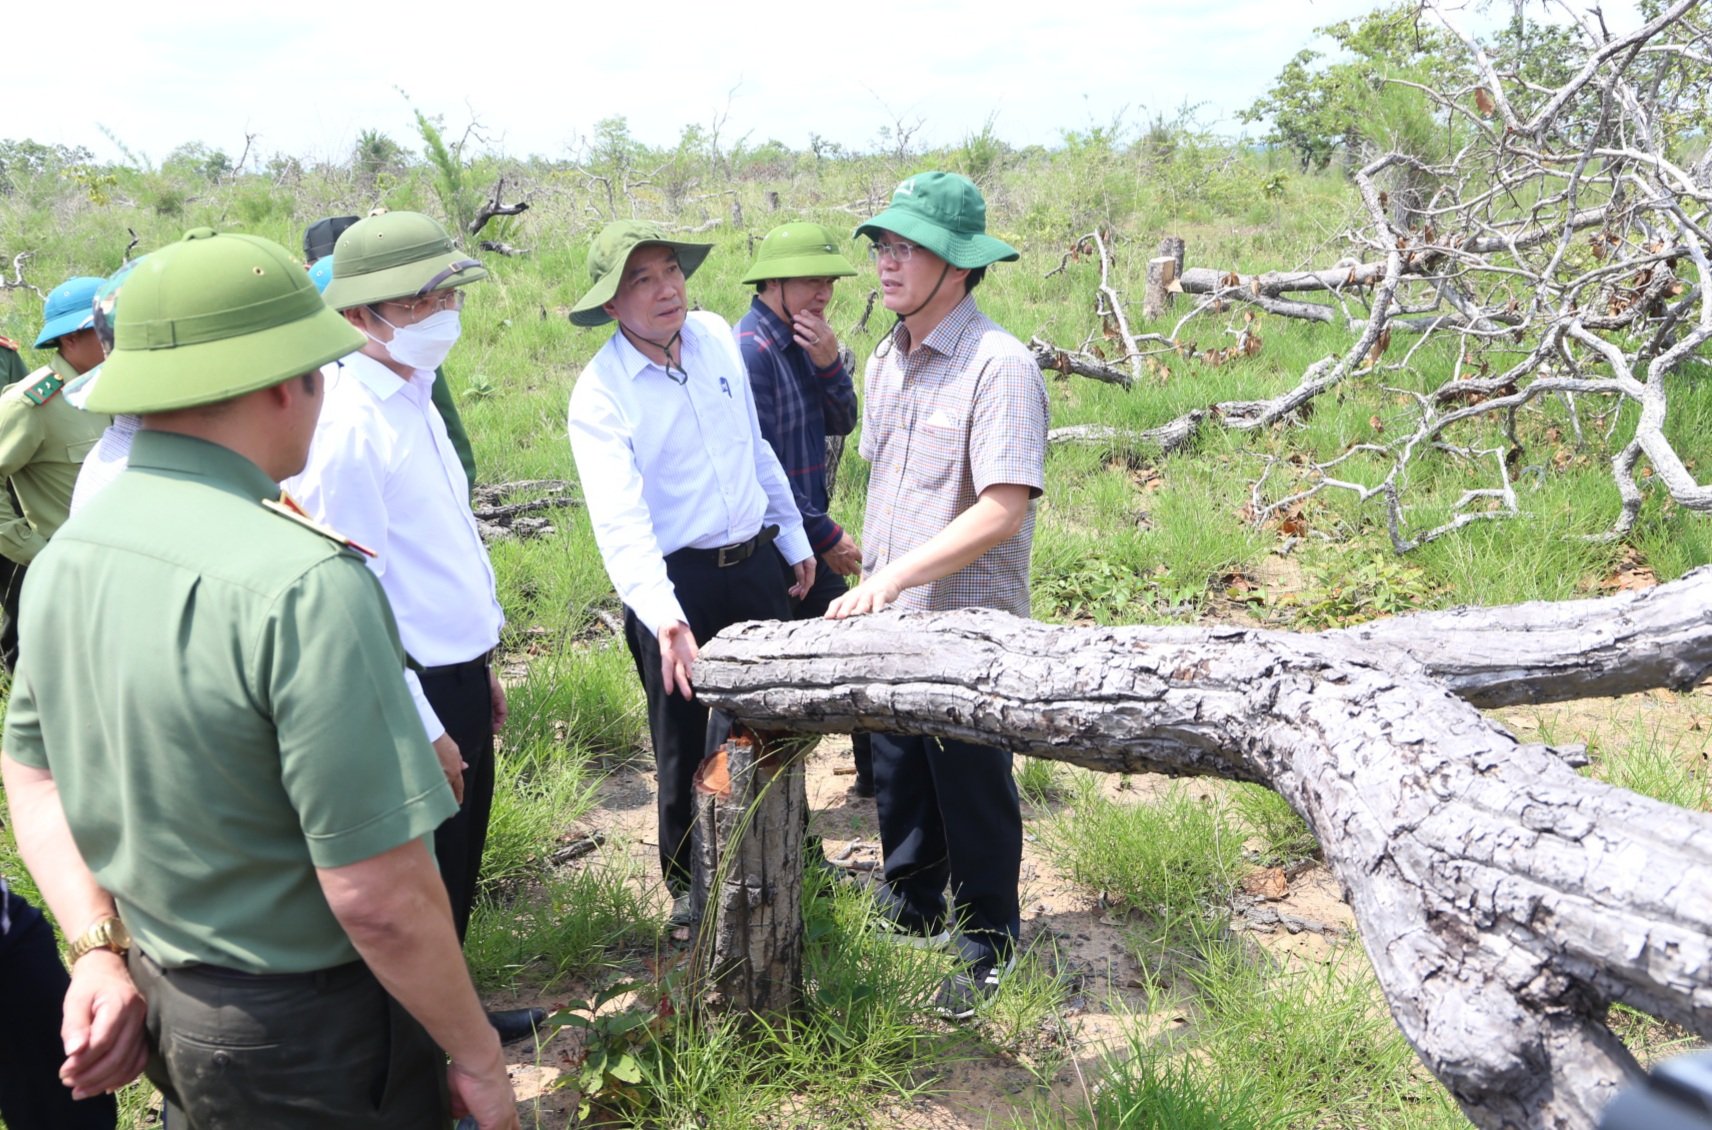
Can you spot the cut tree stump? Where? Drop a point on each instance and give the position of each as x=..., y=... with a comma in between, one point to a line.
x=1158, y=296
x=1505, y=901
x=751, y=806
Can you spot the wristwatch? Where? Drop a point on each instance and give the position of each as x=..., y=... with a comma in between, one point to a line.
x=107, y=934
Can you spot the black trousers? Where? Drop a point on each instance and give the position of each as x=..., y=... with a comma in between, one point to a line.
x=828, y=587
x=463, y=698
x=11, y=593
x=712, y=598
x=32, y=993
x=304, y=1051
x=949, y=813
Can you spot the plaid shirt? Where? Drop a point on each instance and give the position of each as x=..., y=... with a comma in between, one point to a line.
x=965, y=411
x=798, y=407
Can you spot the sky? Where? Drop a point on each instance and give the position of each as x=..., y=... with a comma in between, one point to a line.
x=307, y=78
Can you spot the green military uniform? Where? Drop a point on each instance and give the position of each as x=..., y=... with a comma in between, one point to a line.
x=447, y=405
x=259, y=620
x=43, y=441
x=12, y=367
x=12, y=370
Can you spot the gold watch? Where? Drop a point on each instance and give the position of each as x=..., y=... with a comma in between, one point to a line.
x=107, y=934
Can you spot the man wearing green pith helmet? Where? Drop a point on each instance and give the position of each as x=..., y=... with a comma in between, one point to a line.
x=214, y=770
x=383, y=470
x=803, y=394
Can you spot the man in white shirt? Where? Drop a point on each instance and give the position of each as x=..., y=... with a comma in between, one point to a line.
x=383, y=471
x=688, y=501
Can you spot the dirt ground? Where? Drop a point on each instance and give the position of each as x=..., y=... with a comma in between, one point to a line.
x=1300, y=914
x=1088, y=942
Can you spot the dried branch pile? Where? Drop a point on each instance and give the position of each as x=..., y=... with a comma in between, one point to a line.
x=1561, y=251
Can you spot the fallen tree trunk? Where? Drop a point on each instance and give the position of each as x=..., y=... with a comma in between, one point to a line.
x=1174, y=436
x=1505, y=901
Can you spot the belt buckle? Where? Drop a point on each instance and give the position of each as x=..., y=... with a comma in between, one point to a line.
x=724, y=562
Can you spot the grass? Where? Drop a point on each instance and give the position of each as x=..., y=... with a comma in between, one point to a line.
x=1122, y=538
x=1161, y=857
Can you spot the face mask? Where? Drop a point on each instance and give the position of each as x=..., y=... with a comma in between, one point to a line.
x=425, y=344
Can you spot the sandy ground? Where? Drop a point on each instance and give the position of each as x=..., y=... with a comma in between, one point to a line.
x=1065, y=924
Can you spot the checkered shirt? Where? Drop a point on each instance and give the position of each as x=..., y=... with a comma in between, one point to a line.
x=798, y=407
x=965, y=411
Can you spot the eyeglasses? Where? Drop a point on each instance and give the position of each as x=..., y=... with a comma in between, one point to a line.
x=452, y=298
x=897, y=252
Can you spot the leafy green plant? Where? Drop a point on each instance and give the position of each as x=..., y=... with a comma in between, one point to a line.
x=616, y=1048
x=1345, y=589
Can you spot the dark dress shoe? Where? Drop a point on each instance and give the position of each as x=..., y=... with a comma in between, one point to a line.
x=514, y=1024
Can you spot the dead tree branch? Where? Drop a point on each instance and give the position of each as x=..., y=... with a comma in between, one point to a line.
x=496, y=206
x=1505, y=901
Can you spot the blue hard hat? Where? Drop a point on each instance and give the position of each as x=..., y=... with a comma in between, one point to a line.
x=105, y=306
x=69, y=308
x=322, y=272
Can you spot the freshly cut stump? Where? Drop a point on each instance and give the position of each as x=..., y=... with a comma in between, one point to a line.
x=751, y=808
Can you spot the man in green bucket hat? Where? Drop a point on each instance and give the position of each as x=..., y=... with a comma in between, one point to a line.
x=685, y=496
x=383, y=470
x=954, y=429
x=214, y=771
x=803, y=393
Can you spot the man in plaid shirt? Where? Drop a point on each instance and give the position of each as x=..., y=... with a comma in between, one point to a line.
x=803, y=393
x=955, y=431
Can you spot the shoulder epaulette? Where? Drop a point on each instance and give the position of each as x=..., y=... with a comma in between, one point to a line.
x=8, y=343
x=288, y=507
x=44, y=389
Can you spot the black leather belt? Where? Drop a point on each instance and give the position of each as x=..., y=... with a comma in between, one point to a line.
x=479, y=663
x=728, y=555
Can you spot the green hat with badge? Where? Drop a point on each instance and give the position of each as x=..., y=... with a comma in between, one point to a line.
x=801, y=250
x=611, y=251
x=212, y=317
x=396, y=255
x=944, y=213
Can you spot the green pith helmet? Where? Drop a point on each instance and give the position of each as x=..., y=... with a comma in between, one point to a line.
x=396, y=255
x=944, y=213
x=611, y=251
x=801, y=250
x=212, y=317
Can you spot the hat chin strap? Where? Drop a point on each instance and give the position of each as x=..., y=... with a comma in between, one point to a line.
x=664, y=347
x=946, y=270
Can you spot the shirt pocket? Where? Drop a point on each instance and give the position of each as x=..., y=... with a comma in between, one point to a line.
x=939, y=455
x=75, y=452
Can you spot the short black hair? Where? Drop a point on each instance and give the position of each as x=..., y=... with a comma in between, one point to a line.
x=973, y=278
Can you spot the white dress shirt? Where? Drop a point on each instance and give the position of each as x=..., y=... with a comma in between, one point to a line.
x=666, y=465
x=102, y=465
x=382, y=472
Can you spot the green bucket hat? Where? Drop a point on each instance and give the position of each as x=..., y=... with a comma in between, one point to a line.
x=802, y=250
x=944, y=213
x=611, y=250
x=212, y=317
x=396, y=255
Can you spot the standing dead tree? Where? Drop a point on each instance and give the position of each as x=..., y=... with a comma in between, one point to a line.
x=1560, y=256
x=1505, y=901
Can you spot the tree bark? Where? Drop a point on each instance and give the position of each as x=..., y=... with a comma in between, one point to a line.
x=1158, y=296
x=1504, y=901
x=750, y=811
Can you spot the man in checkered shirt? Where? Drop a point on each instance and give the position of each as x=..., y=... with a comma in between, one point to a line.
x=955, y=429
